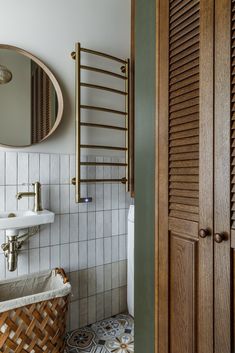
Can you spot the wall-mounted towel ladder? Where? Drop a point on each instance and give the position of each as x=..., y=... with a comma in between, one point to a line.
x=125, y=77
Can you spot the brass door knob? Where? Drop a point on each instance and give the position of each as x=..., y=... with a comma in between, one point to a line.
x=219, y=237
x=203, y=233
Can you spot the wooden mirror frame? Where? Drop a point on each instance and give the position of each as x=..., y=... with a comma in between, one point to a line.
x=55, y=85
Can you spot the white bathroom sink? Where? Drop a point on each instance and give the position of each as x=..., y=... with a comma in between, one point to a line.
x=24, y=219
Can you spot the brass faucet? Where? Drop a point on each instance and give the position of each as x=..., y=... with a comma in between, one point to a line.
x=36, y=194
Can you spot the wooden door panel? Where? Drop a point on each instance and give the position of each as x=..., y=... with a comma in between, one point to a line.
x=222, y=189
x=183, y=269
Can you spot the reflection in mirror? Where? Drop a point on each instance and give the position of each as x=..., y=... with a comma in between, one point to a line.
x=30, y=99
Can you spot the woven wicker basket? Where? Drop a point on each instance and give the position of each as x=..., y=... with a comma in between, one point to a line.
x=35, y=328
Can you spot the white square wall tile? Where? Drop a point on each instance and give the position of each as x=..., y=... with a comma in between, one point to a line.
x=64, y=257
x=65, y=228
x=55, y=199
x=91, y=225
x=74, y=207
x=115, y=275
x=11, y=168
x=115, y=222
x=45, y=259
x=44, y=235
x=64, y=199
x=122, y=273
x=114, y=196
x=72, y=164
x=82, y=253
x=107, y=277
x=115, y=248
x=44, y=168
x=64, y=169
x=100, y=306
x=74, y=280
x=122, y=221
x=73, y=257
x=83, y=312
x=34, y=241
x=23, y=168
x=2, y=267
x=122, y=196
x=45, y=196
x=83, y=284
x=73, y=227
x=115, y=301
x=107, y=223
x=2, y=198
x=23, y=263
x=2, y=167
x=108, y=304
x=99, y=252
x=99, y=279
x=54, y=169
x=55, y=231
x=34, y=174
x=99, y=224
x=34, y=261
x=91, y=253
x=83, y=226
x=91, y=310
x=11, y=201
x=99, y=197
x=2, y=240
x=82, y=207
x=91, y=273
x=74, y=315
x=123, y=299
x=107, y=196
x=122, y=247
x=91, y=193
x=55, y=256
x=107, y=250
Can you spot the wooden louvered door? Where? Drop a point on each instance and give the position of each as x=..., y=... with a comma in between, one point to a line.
x=224, y=191
x=185, y=115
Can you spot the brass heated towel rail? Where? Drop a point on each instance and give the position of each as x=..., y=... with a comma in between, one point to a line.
x=123, y=75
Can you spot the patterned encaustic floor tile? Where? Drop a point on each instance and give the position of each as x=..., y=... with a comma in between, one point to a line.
x=114, y=335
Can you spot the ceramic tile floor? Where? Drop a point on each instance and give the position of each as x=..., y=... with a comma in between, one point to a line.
x=114, y=335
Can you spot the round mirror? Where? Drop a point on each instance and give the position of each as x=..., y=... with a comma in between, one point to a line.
x=31, y=102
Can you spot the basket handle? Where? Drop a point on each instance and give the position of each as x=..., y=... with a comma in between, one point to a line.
x=61, y=272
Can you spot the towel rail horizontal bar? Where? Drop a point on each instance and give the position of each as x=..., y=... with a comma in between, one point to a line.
x=111, y=164
x=104, y=147
x=122, y=180
x=102, y=126
x=106, y=110
x=98, y=53
x=101, y=71
x=103, y=88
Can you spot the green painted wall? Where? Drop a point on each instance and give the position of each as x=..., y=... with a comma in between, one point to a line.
x=145, y=72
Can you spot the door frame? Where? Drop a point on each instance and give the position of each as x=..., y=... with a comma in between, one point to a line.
x=161, y=180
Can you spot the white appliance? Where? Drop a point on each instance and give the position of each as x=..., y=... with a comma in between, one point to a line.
x=130, y=260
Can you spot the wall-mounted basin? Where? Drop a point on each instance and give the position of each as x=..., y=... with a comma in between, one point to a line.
x=17, y=220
